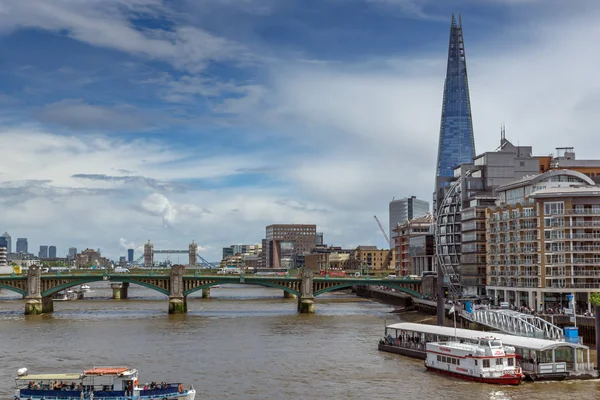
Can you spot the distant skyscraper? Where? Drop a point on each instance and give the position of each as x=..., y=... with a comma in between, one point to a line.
x=43, y=253
x=72, y=252
x=52, y=252
x=456, y=143
x=130, y=255
x=8, y=241
x=22, y=245
x=3, y=243
x=403, y=210
x=320, y=239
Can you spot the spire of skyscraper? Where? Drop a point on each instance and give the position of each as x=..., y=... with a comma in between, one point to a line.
x=457, y=143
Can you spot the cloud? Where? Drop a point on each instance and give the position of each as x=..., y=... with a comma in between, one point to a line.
x=111, y=24
x=78, y=115
x=135, y=181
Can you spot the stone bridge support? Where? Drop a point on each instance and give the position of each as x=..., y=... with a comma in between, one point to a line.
x=177, y=301
x=306, y=302
x=206, y=293
x=35, y=304
x=120, y=290
x=288, y=295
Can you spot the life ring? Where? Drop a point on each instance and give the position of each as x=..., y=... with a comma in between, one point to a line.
x=181, y=388
x=135, y=383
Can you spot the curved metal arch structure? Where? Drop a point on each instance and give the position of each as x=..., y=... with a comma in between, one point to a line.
x=448, y=236
x=350, y=284
x=515, y=323
x=99, y=278
x=14, y=289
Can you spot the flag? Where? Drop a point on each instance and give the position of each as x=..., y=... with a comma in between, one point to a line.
x=451, y=310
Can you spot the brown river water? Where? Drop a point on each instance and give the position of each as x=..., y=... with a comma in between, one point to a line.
x=244, y=343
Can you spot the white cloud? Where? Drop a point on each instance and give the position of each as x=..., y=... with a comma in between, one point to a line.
x=108, y=24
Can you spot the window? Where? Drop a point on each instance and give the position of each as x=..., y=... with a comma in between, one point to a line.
x=439, y=358
x=510, y=362
x=475, y=362
x=499, y=361
x=486, y=363
x=555, y=207
x=457, y=361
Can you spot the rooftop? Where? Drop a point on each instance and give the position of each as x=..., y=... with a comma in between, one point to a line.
x=567, y=191
x=507, y=340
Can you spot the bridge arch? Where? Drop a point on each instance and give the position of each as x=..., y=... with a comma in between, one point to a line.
x=253, y=282
x=14, y=289
x=100, y=278
x=343, y=285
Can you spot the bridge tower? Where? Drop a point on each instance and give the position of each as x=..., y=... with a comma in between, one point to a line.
x=148, y=255
x=193, y=252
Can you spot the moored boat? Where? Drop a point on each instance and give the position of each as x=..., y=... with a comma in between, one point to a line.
x=106, y=383
x=85, y=288
x=487, y=361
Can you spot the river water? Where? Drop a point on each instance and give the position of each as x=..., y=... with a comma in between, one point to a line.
x=244, y=343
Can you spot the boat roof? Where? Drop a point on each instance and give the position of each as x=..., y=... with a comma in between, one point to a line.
x=51, y=377
x=106, y=371
x=507, y=340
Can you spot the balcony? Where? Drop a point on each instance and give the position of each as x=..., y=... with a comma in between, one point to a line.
x=590, y=261
x=585, y=211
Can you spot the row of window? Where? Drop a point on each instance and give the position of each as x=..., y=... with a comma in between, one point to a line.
x=449, y=360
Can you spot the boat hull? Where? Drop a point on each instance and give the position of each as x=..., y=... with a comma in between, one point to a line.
x=503, y=380
x=188, y=395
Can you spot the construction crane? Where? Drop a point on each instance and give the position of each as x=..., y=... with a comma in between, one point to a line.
x=387, y=239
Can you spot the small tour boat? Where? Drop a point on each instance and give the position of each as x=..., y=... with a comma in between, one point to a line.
x=106, y=383
x=84, y=288
x=65, y=296
x=487, y=361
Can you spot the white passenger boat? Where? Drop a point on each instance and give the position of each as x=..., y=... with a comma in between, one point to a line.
x=85, y=288
x=65, y=296
x=487, y=361
x=106, y=383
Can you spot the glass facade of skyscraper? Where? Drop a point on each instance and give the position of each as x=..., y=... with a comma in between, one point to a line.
x=456, y=144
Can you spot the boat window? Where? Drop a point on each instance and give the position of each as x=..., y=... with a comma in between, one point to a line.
x=510, y=362
x=486, y=363
x=458, y=361
x=499, y=361
x=439, y=358
x=475, y=362
x=453, y=360
x=496, y=343
x=443, y=358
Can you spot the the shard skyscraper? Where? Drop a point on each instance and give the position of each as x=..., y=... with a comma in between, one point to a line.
x=456, y=144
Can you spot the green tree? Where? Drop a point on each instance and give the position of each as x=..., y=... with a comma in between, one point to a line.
x=595, y=299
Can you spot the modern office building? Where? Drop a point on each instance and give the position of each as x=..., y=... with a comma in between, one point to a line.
x=456, y=142
x=130, y=258
x=414, y=246
x=22, y=246
x=6, y=236
x=285, y=242
x=405, y=209
x=543, y=241
x=460, y=222
x=52, y=252
x=43, y=253
x=241, y=249
x=72, y=253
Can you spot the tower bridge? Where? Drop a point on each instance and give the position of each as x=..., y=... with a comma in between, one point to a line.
x=37, y=288
x=195, y=259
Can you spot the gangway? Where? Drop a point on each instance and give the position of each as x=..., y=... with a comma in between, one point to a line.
x=514, y=323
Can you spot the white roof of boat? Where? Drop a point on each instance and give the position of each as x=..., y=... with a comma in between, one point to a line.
x=507, y=340
x=50, y=377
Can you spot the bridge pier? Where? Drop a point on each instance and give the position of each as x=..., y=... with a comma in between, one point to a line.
x=177, y=301
x=120, y=290
x=35, y=304
x=206, y=293
x=288, y=295
x=306, y=305
x=306, y=302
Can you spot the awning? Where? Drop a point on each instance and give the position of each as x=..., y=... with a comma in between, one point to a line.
x=51, y=377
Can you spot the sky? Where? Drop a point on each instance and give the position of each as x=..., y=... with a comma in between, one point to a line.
x=123, y=121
